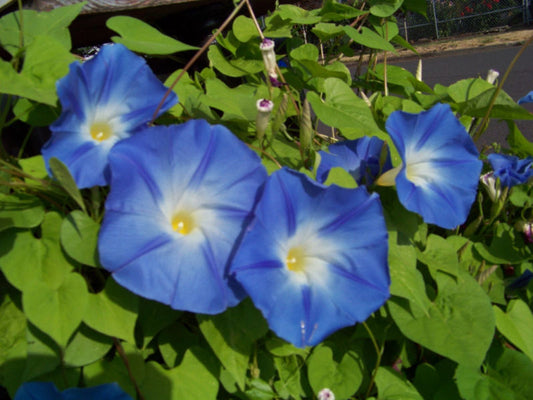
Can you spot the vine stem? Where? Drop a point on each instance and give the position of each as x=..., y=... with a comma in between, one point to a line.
x=379, y=353
x=196, y=57
x=485, y=120
x=126, y=362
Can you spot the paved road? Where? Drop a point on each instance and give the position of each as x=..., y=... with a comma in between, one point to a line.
x=450, y=68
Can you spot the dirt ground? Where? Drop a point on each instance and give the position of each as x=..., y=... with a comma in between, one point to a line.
x=499, y=37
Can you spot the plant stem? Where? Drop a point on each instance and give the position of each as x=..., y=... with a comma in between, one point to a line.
x=379, y=353
x=196, y=57
x=124, y=358
x=485, y=121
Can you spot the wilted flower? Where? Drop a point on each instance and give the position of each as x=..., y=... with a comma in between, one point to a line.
x=314, y=259
x=440, y=169
x=510, y=169
x=180, y=198
x=269, y=56
x=104, y=100
x=326, y=394
x=48, y=391
x=362, y=158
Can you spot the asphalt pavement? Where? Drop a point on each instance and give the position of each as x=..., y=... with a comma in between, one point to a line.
x=453, y=66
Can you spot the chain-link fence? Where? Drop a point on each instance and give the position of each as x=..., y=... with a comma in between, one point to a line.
x=451, y=17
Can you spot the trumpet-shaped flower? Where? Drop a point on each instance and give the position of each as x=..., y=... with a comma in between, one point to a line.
x=510, y=169
x=314, y=259
x=104, y=100
x=360, y=157
x=180, y=198
x=48, y=391
x=440, y=168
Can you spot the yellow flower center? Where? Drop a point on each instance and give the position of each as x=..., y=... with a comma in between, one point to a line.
x=295, y=260
x=101, y=131
x=183, y=223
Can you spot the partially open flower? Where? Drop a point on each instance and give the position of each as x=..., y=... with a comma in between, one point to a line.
x=104, y=100
x=326, y=394
x=269, y=56
x=180, y=198
x=314, y=259
x=510, y=169
x=492, y=75
x=492, y=185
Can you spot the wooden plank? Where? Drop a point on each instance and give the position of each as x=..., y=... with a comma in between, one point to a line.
x=101, y=6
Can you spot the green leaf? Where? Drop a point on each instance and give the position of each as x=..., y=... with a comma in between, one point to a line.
x=26, y=260
x=79, y=238
x=174, y=340
x=280, y=348
x=339, y=371
x=344, y=110
x=276, y=27
x=458, y=323
x=340, y=177
x=392, y=386
x=440, y=255
x=12, y=326
x=326, y=31
x=20, y=211
x=516, y=325
x=192, y=379
x=65, y=179
x=231, y=336
x=153, y=317
x=140, y=37
x=384, y=8
x=42, y=354
x=508, y=376
x=417, y=6
x=368, y=38
x=506, y=247
x=290, y=379
x=244, y=29
x=297, y=15
x=34, y=113
x=59, y=311
x=113, y=311
x=504, y=107
x=517, y=142
x=466, y=89
x=333, y=11
x=235, y=68
x=87, y=346
x=53, y=23
x=35, y=167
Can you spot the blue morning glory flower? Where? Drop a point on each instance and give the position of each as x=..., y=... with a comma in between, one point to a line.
x=180, y=198
x=360, y=157
x=440, y=168
x=48, y=391
x=104, y=100
x=528, y=98
x=314, y=259
x=510, y=169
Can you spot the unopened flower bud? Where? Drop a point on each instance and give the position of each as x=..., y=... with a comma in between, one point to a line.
x=274, y=80
x=269, y=56
x=264, y=108
x=492, y=186
x=526, y=228
x=326, y=394
x=492, y=75
x=418, y=74
x=306, y=128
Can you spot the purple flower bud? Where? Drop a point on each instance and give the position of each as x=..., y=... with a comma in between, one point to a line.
x=326, y=394
x=264, y=108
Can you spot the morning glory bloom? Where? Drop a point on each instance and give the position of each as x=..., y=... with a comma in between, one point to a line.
x=510, y=169
x=360, y=157
x=440, y=169
x=104, y=100
x=314, y=259
x=528, y=98
x=180, y=198
x=48, y=391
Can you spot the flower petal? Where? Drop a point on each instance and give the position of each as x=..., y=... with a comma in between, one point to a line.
x=360, y=157
x=112, y=96
x=510, y=169
x=440, y=171
x=338, y=240
x=196, y=172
